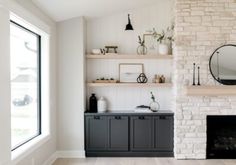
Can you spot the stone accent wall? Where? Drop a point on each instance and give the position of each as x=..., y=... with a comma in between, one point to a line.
x=201, y=27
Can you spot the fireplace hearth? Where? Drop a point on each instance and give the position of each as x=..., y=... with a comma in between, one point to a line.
x=221, y=137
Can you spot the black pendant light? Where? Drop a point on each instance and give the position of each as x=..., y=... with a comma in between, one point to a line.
x=129, y=26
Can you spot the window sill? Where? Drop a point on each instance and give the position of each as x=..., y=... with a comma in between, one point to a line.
x=26, y=149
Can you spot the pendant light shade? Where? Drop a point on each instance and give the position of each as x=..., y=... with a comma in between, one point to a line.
x=129, y=25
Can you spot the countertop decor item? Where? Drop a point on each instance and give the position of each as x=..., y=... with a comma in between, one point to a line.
x=128, y=72
x=142, y=49
x=102, y=105
x=142, y=78
x=129, y=25
x=222, y=64
x=154, y=105
x=93, y=103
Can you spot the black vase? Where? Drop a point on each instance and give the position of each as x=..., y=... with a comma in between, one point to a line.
x=93, y=103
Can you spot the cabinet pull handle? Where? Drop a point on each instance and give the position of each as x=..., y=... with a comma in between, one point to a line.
x=117, y=117
x=96, y=117
x=141, y=117
x=163, y=117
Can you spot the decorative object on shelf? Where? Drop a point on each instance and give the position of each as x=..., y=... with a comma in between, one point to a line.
x=128, y=72
x=142, y=49
x=103, y=51
x=129, y=25
x=198, y=76
x=142, y=78
x=164, y=39
x=102, y=105
x=150, y=43
x=222, y=64
x=156, y=79
x=93, y=103
x=194, y=66
x=111, y=47
x=159, y=79
x=163, y=79
x=105, y=80
x=96, y=51
x=154, y=105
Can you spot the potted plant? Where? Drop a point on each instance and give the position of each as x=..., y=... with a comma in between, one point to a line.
x=164, y=39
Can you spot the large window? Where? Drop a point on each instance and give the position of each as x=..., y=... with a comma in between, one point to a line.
x=25, y=47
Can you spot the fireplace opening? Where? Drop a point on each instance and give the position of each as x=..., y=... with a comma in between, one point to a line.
x=221, y=137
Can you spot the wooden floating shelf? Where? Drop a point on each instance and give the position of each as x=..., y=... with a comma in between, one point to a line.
x=207, y=90
x=129, y=85
x=128, y=56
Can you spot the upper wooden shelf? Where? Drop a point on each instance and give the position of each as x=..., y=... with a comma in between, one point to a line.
x=207, y=90
x=129, y=85
x=128, y=56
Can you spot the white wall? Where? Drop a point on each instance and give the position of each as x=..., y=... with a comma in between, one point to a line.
x=110, y=30
x=5, y=143
x=71, y=86
x=26, y=10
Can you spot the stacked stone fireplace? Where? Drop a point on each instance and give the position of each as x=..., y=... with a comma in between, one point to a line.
x=201, y=27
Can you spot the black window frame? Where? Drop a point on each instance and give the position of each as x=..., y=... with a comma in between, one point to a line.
x=39, y=110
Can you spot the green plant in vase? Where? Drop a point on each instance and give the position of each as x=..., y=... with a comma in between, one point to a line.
x=165, y=39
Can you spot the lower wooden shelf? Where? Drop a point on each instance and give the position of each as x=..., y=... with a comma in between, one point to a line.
x=210, y=90
x=129, y=85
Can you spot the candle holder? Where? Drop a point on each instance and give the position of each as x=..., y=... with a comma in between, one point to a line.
x=194, y=65
x=198, y=77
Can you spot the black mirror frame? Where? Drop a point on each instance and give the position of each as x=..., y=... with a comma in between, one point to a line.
x=226, y=82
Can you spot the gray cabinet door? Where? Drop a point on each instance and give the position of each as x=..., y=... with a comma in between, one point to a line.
x=96, y=133
x=163, y=128
x=141, y=133
x=119, y=133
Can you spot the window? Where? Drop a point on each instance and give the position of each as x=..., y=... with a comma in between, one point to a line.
x=25, y=47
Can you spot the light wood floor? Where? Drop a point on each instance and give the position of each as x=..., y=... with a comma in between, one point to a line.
x=141, y=161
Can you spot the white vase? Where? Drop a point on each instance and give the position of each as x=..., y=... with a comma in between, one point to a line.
x=163, y=49
x=102, y=105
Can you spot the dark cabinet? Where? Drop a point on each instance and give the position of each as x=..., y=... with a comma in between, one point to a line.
x=128, y=134
x=118, y=133
x=163, y=129
x=96, y=133
x=141, y=129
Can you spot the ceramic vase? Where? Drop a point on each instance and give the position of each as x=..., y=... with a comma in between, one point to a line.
x=102, y=105
x=163, y=49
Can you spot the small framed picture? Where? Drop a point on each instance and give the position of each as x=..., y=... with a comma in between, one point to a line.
x=129, y=72
x=151, y=43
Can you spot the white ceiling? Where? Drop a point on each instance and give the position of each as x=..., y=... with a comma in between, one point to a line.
x=60, y=10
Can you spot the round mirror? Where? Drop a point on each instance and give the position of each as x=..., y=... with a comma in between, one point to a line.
x=223, y=64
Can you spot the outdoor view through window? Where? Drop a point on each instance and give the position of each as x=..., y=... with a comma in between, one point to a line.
x=25, y=85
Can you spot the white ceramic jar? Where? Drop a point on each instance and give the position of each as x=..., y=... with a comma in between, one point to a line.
x=102, y=105
x=163, y=49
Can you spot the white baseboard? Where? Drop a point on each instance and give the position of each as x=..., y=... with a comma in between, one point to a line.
x=71, y=154
x=64, y=154
x=51, y=159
